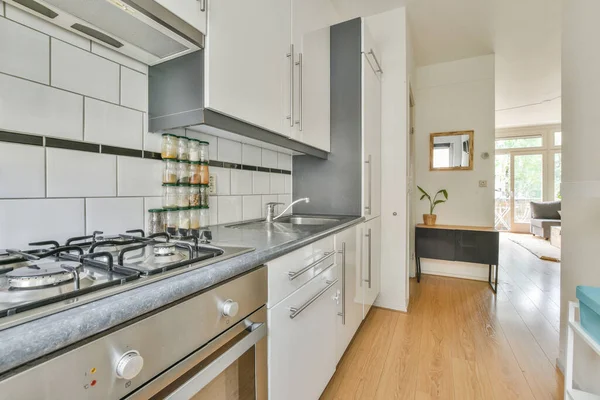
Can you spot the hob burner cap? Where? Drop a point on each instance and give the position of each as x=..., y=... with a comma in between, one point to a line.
x=164, y=249
x=42, y=275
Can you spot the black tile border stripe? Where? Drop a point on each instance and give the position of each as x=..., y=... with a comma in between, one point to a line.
x=121, y=151
x=72, y=145
x=21, y=138
x=34, y=140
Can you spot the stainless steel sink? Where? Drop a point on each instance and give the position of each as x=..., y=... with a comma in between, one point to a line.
x=294, y=220
x=285, y=224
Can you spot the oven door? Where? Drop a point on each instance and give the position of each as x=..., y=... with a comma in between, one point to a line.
x=233, y=366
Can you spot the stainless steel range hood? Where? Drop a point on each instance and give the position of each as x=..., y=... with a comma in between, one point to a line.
x=141, y=29
x=176, y=100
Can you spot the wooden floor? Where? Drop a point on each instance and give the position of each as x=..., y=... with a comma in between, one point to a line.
x=459, y=341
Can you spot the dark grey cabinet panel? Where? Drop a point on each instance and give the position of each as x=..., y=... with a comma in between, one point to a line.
x=435, y=243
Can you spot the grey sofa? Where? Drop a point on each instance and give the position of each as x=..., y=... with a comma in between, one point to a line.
x=544, y=215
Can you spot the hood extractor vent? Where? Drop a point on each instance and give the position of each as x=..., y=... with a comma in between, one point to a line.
x=141, y=29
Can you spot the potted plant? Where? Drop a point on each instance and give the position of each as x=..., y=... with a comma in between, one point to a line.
x=429, y=219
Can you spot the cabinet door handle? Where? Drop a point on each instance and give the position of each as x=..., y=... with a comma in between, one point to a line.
x=369, y=275
x=301, y=98
x=294, y=274
x=296, y=311
x=343, y=313
x=290, y=55
x=202, y=5
x=369, y=163
x=372, y=53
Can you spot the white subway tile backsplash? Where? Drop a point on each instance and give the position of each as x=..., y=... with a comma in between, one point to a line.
x=152, y=141
x=229, y=151
x=284, y=161
x=139, y=177
x=229, y=209
x=82, y=72
x=22, y=171
x=277, y=184
x=286, y=199
x=241, y=181
x=288, y=184
x=119, y=58
x=251, y=155
x=134, y=89
x=25, y=52
x=113, y=125
x=223, y=176
x=213, y=205
x=269, y=158
x=261, y=183
x=212, y=142
x=26, y=221
x=251, y=207
x=270, y=198
x=80, y=174
x=46, y=27
x=114, y=215
x=33, y=108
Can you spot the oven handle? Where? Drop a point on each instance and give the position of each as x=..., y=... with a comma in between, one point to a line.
x=253, y=332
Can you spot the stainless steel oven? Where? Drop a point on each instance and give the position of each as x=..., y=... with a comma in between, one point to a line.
x=233, y=366
x=210, y=346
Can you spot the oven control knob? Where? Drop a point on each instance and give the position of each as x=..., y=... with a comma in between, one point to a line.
x=230, y=308
x=130, y=365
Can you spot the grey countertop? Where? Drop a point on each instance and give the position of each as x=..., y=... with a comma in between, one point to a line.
x=33, y=340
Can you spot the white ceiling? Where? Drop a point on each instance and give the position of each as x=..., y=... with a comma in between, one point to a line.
x=524, y=35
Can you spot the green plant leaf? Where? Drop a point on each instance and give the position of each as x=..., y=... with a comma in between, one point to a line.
x=423, y=196
x=438, y=202
x=444, y=192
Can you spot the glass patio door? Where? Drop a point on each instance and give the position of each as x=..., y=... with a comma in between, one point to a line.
x=519, y=180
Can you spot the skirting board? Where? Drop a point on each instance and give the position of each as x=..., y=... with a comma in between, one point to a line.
x=478, y=272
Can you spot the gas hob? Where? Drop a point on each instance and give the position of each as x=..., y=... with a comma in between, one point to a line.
x=52, y=277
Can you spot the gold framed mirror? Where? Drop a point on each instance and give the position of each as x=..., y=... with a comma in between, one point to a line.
x=451, y=151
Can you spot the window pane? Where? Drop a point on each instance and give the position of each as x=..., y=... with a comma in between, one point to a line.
x=519, y=143
x=502, y=190
x=557, y=138
x=557, y=176
x=528, y=184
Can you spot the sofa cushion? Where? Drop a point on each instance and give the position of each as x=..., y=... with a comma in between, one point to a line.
x=545, y=223
x=545, y=210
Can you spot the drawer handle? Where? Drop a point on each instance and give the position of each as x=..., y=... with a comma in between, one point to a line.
x=293, y=275
x=296, y=311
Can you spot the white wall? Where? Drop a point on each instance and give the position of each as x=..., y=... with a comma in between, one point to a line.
x=55, y=84
x=456, y=96
x=389, y=32
x=580, y=187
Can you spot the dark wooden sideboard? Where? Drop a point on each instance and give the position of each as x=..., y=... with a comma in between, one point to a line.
x=459, y=243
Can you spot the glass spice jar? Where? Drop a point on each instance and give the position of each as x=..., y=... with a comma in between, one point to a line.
x=156, y=220
x=169, y=146
x=169, y=171
x=195, y=172
x=183, y=172
x=183, y=221
x=183, y=148
x=194, y=150
x=204, y=195
x=194, y=195
x=204, y=217
x=169, y=198
x=204, y=152
x=171, y=222
x=183, y=195
x=194, y=219
x=204, y=174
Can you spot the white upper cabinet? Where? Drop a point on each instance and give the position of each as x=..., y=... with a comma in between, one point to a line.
x=311, y=20
x=191, y=11
x=371, y=128
x=247, y=63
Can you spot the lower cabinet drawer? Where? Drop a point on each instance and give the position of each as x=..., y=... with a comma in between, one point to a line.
x=302, y=329
x=292, y=271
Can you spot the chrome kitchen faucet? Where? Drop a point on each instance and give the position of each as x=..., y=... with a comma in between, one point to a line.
x=271, y=208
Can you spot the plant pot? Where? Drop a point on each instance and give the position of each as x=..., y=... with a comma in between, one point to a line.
x=429, y=219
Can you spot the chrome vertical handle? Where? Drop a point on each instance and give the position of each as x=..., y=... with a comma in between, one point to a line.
x=203, y=5
x=290, y=55
x=372, y=53
x=301, y=98
x=368, y=209
x=369, y=275
x=343, y=313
